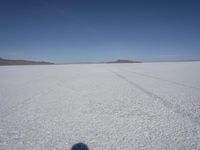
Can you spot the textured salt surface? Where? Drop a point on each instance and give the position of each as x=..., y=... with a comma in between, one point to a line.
x=107, y=106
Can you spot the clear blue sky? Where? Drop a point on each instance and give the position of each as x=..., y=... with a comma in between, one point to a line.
x=99, y=30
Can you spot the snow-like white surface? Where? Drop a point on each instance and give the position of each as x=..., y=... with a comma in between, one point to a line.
x=107, y=106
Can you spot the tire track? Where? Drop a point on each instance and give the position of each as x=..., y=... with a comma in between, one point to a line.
x=169, y=81
x=21, y=104
x=176, y=108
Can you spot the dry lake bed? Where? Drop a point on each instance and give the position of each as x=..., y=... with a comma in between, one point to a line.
x=107, y=106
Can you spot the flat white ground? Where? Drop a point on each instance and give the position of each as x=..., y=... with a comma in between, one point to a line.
x=107, y=106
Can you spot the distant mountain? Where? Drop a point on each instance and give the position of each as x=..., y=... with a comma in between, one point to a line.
x=124, y=61
x=5, y=62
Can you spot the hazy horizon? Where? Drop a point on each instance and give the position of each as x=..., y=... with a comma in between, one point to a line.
x=95, y=31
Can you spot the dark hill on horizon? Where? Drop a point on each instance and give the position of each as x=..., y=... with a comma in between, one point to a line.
x=124, y=61
x=7, y=62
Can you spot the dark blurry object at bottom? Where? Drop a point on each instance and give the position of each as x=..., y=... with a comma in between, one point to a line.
x=80, y=146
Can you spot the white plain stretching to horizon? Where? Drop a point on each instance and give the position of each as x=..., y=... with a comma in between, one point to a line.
x=107, y=106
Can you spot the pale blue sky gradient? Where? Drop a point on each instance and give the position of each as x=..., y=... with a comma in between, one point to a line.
x=76, y=31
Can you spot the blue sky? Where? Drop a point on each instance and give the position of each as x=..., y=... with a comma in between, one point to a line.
x=99, y=30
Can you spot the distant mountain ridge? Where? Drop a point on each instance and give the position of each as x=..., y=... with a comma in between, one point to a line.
x=124, y=61
x=6, y=62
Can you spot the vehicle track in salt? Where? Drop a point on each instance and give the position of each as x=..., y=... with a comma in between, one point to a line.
x=176, y=108
x=165, y=80
x=21, y=104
